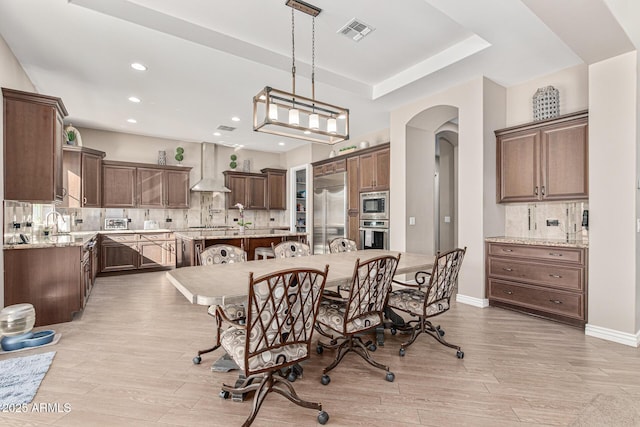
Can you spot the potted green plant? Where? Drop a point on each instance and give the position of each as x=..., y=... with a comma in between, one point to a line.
x=233, y=165
x=71, y=137
x=179, y=154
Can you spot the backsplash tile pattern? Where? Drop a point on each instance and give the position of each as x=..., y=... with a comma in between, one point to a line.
x=530, y=220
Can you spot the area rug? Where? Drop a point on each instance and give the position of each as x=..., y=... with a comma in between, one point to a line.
x=20, y=378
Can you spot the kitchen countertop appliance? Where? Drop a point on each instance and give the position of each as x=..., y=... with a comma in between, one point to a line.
x=116, y=223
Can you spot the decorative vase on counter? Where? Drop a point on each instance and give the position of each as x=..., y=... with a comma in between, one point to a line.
x=162, y=157
x=241, y=229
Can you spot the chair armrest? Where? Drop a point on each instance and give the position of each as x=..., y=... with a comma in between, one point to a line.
x=421, y=278
x=235, y=322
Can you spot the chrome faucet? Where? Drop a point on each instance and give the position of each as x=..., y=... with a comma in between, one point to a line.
x=55, y=224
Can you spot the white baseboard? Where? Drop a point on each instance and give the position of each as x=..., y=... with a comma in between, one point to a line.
x=476, y=302
x=613, y=335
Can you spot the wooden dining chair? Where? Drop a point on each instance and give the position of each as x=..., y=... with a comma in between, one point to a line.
x=290, y=249
x=233, y=313
x=343, y=320
x=281, y=314
x=429, y=297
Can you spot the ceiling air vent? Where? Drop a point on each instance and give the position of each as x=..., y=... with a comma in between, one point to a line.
x=356, y=29
x=226, y=128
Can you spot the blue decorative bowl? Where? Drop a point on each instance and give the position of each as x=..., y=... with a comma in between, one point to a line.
x=39, y=338
x=15, y=342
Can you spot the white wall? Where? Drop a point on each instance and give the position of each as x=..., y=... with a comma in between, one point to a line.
x=612, y=195
x=12, y=76
x=467, y=98
x=572, y=83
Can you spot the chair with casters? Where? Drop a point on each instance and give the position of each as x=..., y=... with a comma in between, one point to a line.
x=429, y=297
x=342, y=244
x=281, y=313
x=343, y=320
x=290, y=249
x=232, y=313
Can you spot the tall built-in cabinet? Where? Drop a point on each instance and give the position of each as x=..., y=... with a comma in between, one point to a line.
x=544, y=161
x=138, y=185
x=265, y=190
x=299, y=198
x=82, y=177
x=33, y=139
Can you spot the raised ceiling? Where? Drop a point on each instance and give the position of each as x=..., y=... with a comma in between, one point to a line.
x=207, y=58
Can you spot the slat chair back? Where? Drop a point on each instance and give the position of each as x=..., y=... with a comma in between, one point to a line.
x=442, y=282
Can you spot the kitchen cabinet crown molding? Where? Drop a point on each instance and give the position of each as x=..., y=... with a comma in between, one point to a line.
x=356, y=153
x=36, y=98
x=534, y=125
x=75, y=148
x=145, y=165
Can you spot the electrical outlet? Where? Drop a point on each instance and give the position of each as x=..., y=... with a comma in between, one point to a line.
x=168, y=220
x=78, y=221
x=553, y=223
x=272, y=219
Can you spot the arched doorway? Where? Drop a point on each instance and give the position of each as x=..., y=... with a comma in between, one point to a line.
x=431, y=180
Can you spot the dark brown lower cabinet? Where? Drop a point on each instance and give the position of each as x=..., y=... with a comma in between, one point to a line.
x=137, y=251
x=547, y=281
x=48, y=278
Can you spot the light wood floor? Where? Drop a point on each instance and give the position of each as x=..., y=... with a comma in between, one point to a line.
x=127, y=361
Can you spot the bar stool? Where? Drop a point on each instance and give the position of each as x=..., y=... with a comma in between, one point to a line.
x=264, y=252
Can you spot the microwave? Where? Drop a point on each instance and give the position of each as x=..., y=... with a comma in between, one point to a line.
x=374, y=205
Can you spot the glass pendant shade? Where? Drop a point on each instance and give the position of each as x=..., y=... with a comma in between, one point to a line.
x=332, y=125
x=273, y=112
x=314, y=121
x=294, y=117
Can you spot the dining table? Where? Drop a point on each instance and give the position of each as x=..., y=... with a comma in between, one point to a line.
x=222, y=284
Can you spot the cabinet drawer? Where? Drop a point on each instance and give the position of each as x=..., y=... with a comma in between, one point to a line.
x=571, y=278
x=552, y=301
x=119, y=238
x=550, y=253
x=155, y=236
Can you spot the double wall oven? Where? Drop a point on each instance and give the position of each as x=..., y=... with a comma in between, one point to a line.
x=374, y=220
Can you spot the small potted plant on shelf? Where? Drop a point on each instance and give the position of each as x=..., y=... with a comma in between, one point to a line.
x=71, y=137
x=179, y=155
x=233, y=165
x=241, y=222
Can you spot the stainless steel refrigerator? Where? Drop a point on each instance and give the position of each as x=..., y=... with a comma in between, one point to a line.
x=329, y=210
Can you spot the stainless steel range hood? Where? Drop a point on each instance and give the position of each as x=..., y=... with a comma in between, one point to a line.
x=209, y=181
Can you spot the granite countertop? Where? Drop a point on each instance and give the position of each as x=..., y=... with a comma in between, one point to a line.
x=234, y=233
x=58, y=241
x=578, y=243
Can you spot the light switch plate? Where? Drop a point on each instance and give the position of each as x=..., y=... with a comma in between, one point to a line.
x=447, y=219
x=412, y=220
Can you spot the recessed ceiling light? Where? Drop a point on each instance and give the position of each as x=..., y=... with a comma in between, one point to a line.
x=281, y=143
x=138, y=66
x=132, y=120
x=217, y=134
x=235, y=118
x=134, y=99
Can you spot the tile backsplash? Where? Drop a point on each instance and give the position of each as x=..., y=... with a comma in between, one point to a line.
x=537, y=220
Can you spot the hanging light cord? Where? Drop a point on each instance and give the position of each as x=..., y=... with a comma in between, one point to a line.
x=313, y=58
x=293, y=51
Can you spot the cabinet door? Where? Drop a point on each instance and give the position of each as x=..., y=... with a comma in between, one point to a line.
x=91, y=182
x=565, y=160
x=152, y=254
x=176, y=189
x=58, y=140
x=518, y=166
x=353, y=199
x=150, y=187
x=382, y=160
x=367, y=172
x=118, y=257
x=238, y=194
x=256, y=192
x=72, y=179
x=118, y=186
x=277, y=183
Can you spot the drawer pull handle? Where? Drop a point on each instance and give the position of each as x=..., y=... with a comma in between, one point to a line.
x=507, y=269
x=508, y=292
x=555, y=254
x=556, y=276
x=555, y=301
x=507, y=250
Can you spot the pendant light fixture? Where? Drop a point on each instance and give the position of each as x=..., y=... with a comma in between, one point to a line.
x=303, y=118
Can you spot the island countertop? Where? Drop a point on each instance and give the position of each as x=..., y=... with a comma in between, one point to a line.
x=208, y=233
x=578, y=243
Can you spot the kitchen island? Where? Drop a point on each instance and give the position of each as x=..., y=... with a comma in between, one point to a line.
x=190, y=243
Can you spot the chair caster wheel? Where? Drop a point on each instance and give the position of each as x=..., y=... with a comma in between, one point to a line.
x=402, y=352
x=390, y=377
x=292, y=377
x=319, y=349
x=323, y=417
x=394, y=331
x=440, y=331
x=224, y=394
x=372, y=347
x=460, y=354
x=197, y=360
x=325, y=379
